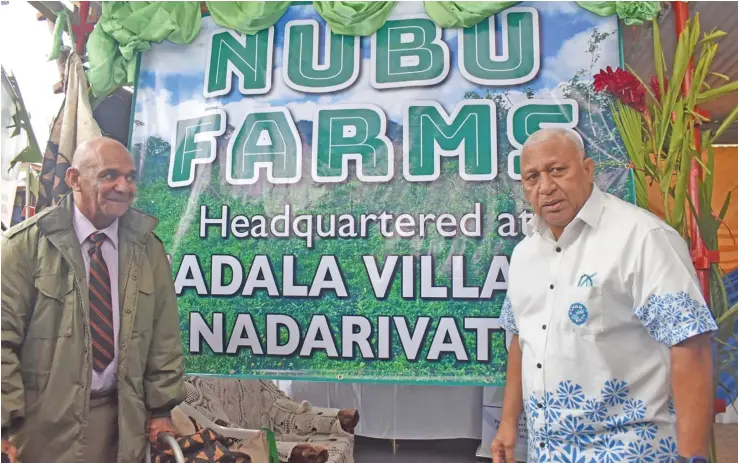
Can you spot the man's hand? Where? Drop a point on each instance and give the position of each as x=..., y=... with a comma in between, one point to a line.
x=10, y=450
x=503, y=446
x=160, y=425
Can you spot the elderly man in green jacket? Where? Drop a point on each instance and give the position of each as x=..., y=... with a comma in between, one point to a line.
x=91, y=350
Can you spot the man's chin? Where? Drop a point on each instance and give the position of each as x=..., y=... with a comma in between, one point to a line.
x=116, y=210
x=558, y=219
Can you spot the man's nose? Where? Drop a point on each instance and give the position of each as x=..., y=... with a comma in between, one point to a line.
x=546, y=185
x=123, y=185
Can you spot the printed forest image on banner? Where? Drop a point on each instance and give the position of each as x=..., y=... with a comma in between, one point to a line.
x=345, y=208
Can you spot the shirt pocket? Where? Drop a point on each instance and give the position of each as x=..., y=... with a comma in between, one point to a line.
x=53, y=311
x=581, y=311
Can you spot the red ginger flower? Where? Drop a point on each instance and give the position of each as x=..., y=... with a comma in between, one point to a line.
x=623, y=85
x=656, y=89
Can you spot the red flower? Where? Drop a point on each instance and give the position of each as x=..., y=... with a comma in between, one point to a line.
x=656, y=89
x=702, y=112
x=624, y=85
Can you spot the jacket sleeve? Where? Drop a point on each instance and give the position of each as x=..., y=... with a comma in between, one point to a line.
x=17, y=299
x=164, y=378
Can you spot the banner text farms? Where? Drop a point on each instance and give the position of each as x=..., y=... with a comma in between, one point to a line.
x=345, y=208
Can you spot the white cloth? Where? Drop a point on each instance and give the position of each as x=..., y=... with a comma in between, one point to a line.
x=596, y=314
x=389, y=411
x=107, y=379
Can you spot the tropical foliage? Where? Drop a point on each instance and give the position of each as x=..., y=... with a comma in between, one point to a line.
x=656, y=123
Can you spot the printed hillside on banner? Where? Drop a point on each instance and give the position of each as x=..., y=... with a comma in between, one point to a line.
x=340, y=207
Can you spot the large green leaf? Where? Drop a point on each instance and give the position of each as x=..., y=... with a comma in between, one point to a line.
x=17, y=123
x=727, y=122
x=28, y=154
x=728, y=315
x=704, y=97
x=673, y=155
x=699, y=74
x=726, y=203
x=685, y=50
x=713, y=35
x=708, y=178
x=680, y=189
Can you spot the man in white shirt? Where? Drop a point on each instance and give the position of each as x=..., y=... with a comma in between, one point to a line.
x=611, y=359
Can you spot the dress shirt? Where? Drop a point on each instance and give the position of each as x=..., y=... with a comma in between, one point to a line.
x=596, y=313
x=107, y=379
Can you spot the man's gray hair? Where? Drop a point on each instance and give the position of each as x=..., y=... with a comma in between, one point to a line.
x=546, y=134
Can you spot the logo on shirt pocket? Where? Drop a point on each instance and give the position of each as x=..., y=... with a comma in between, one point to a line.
x=581, y=310
x=578, y=313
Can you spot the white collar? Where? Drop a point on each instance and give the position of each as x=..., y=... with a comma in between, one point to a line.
x=84, y=228
x=589, y=213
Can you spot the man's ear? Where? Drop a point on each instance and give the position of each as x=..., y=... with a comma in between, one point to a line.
x=72, y=179
x=589, y=167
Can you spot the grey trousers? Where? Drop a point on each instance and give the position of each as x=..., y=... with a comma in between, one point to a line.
x=101, y=433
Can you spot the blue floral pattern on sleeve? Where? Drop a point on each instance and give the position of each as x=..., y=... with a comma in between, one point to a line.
x=507, y=318
x=675, y=317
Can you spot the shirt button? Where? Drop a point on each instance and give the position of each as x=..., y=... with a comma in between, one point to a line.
x=539, y=366
x=542, y=444
x=551, y=286
x=558, y=249
x=544, y=327
x=540, y=404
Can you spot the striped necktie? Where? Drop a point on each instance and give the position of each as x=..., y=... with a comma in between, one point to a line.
x=101, y=307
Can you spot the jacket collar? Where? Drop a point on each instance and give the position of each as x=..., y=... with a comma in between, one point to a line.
x=134, y=225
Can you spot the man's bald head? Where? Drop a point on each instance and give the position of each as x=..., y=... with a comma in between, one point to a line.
x=91, y=150
x=557, y=176
x=102, y=178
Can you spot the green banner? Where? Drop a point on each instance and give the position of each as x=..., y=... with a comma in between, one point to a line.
x=344, y=208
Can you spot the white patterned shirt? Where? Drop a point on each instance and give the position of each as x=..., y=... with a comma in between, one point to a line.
x=596, y=313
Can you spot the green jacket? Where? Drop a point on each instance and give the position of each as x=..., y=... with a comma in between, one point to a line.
x=46, y=353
